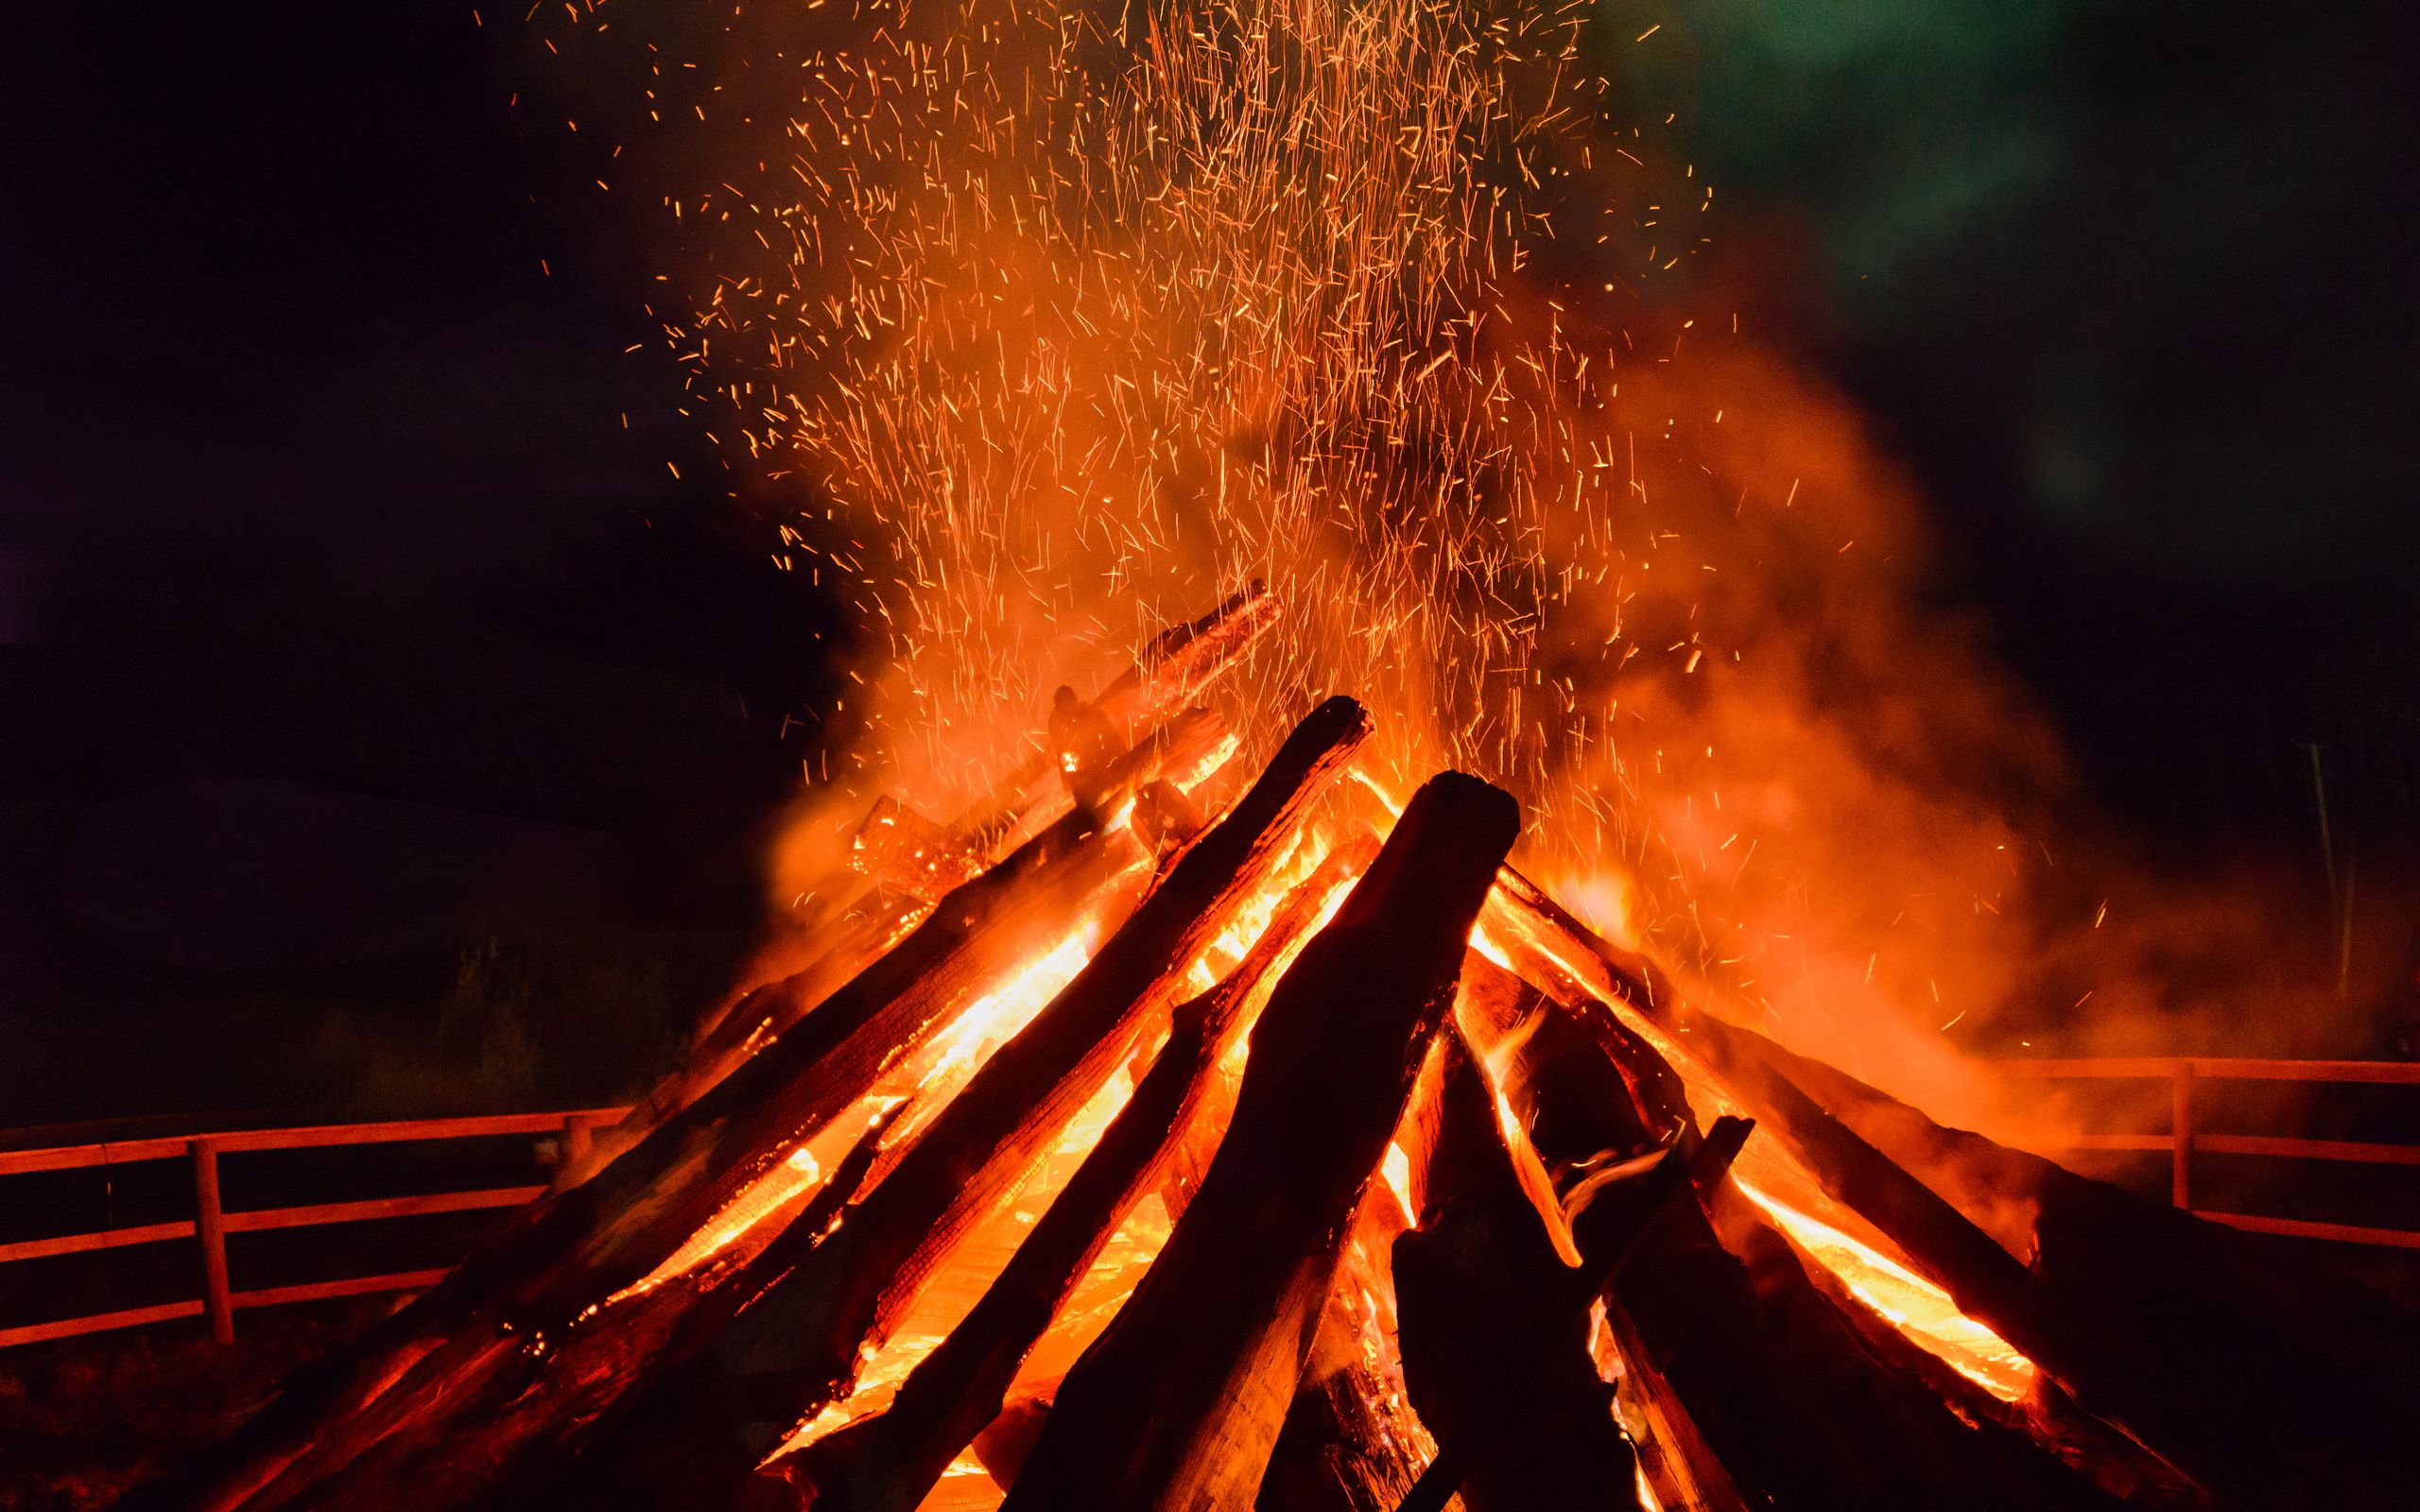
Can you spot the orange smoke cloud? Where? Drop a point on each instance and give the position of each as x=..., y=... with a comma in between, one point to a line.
x=1054, y=327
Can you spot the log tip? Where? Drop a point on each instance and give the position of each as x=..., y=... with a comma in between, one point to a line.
x=1489, y=814
x=1453, y=836
x=1337, y=720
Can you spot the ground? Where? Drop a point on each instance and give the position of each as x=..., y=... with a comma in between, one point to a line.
x=83, y=1420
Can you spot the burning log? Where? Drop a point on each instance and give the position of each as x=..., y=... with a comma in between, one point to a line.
x=1340, y=1449
x=1886, y=1396
x=456, y=1461
x=1351, y=1442
x=695, y=1162
x=2046, y=1419
x=1642, y=1023
x=1179, y=1403
x=805, y=1310
x=889, y=1462
x=2149, y=1318
x=902, y=852
x=620, y=1226
x=1495, y=1334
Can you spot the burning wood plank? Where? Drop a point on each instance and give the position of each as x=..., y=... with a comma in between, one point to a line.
x=456, y=1460
x=1752, y=1372
x=1351, y=1442
x=803, y=1312
x=1179, y=1403
x=1172, y=670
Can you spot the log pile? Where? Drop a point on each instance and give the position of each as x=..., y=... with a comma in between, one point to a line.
x=1336, y=1176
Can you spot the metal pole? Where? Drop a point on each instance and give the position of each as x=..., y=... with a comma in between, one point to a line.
x=209, y=1227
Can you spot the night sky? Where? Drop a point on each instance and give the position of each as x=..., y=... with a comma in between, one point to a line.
x=367, y=680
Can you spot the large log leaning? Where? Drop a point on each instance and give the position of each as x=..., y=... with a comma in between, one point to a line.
x=1173, y=667
x=1351, y=1442
x=716, y=1151
x=808, y=1311
x=1753, y=1373
x=1179, y=1402
x=2142, y=1395
x=1966, y=1253
x=889, y=1462
x=1344, y=1445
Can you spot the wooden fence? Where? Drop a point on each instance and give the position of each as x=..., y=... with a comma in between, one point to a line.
x=211, y=1223
x=2183, y=1141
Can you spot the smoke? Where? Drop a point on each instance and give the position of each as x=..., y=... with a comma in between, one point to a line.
x=1050, y=325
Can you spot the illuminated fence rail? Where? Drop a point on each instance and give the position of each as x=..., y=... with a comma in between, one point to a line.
x=2183, y=1141
x=211, y=1223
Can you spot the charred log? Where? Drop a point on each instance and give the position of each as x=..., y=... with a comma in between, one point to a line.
x=769, y=1012
x=1495, y=1334
x=548, y=1388
x=1337, y=1452
x=1178, y=663
x=1179, y=1403
x=1757, y=1376
x=1351, y=1442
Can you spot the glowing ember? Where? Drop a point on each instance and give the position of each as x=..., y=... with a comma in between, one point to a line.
x=1909, y=1302
x=980, y=1028
x=1396, y=1169
x=992, y=1020
x=755, y=1216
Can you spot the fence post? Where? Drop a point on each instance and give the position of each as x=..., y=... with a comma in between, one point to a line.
x=2180, y=1123
x=209, y=1227
x=579, y=1135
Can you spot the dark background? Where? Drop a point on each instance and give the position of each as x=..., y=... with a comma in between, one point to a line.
x=383, y=724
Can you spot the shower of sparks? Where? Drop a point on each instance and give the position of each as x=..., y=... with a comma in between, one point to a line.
x=1066, y=318
x=1044, y=323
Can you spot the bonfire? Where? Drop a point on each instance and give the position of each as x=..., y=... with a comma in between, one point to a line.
x=1216, y=1112
x=1170, y=1133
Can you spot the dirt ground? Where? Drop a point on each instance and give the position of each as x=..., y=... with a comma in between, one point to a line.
x=84, y=1419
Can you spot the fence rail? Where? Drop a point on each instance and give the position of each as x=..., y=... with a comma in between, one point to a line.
x=2183, y=1073
x=212, y=1222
